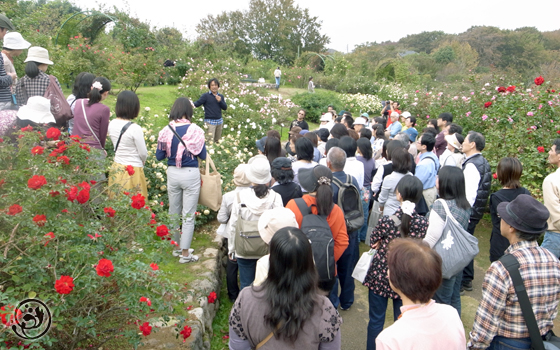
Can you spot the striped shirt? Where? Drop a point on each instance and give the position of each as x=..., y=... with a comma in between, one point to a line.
x=499, y=312
x=5, y=83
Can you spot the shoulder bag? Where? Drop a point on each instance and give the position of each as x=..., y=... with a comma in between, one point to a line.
x=59, y=106
x=123, y=130
x=456, y=246
x=90, y=129
x=549, y=341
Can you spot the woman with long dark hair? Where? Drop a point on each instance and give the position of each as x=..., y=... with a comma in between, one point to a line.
x=286, y=311
x=365, y=155
x=450, y=183
x=317, y=183
x=182, y=143
x=405, y=222
x=91, y=117
x=304, y=153
x=272, y=148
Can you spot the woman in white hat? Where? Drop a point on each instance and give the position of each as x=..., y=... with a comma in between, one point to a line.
x=13, y=46
x=453, y=155
x=35, y=81
x=249, y=205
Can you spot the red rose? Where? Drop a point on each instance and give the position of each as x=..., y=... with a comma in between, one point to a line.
x=162, y=231
x=501, y=89
x=83, y=196
x=15, y=209
x=54, y=193
x=76, y=138
x=72, y=194
x=212, y=297
x=40, y=220
x=186, y=332
x=154, y=266
x=495, y=176
x=84, y=185
x=109, y=211
x=36, y=182
x=53, y=133
x=7, y=315
x=558, y=131
x=146, y=300
x=511, y=88
x=146, y=329
x=540, y=149
x=130, y=170
x=487, y=104
x=37, y=150
x=63, y=159
x=27, y=128
x=138, y=201
x=49, y=236
x=539, y=80
x=104, y=268
x=64, y=285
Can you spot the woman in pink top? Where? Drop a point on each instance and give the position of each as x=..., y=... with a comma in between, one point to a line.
x=415, y=274
x=91, y=118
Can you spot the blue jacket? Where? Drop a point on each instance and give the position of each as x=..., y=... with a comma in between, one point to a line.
x=212, y=108
x=426, y=170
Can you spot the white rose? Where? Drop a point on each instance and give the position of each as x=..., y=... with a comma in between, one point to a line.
x=206, y=212
x=147, y=109
x=152, y=138
x=163, y=188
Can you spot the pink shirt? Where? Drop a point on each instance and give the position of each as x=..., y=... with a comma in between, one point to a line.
x=430, y=327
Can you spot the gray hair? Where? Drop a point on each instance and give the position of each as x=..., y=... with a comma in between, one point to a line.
x=403, y=137
x=337, y=158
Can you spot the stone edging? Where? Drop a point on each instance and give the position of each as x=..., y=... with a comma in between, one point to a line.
x=200, y=318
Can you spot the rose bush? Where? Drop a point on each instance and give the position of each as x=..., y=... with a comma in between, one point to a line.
x=519, y=121
x=88, y=258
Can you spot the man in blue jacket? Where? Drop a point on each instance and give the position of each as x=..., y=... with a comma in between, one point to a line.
x=213, y=103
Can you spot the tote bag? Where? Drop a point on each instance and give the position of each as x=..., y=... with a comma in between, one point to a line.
x=210, y=186
x=456, y=246
x=362, y=267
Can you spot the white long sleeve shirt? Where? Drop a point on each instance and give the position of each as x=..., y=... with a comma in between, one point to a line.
x=472, y=179
x=132, y=148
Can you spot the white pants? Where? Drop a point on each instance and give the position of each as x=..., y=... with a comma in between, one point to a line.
x=183, y=188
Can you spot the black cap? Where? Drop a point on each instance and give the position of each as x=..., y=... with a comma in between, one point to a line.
x=525, y=214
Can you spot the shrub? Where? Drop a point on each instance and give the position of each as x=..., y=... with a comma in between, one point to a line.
x=316, y=103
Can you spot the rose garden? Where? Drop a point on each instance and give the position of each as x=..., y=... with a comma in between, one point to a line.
x=104, y=266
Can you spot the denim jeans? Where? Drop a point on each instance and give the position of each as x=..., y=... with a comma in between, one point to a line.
x=277, y=82
x=344, y=268
x=247, y=269
x=552, y=242
x=183, y=188
x=501, y=343
x=377, y=310
x=449, y=292
x=366, y=194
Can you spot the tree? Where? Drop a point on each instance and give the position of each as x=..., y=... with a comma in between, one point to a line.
x=270, y=29
x=423, y=42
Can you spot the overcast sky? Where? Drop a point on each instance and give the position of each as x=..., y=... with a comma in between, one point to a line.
x=352, y=22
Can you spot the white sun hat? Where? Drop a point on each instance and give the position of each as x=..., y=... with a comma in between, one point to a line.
x=38, y=54
x=14, y=41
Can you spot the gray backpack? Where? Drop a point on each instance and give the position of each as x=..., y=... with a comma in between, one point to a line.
x=350, y=201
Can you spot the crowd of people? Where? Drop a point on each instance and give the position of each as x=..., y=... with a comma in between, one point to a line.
x=410, y=184
x=300, y=210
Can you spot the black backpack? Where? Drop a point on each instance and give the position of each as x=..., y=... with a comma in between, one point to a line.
x=317, y=229
x=350, y=201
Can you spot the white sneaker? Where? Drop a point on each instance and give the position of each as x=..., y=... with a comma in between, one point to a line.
x=180, y=252
x=188, y=259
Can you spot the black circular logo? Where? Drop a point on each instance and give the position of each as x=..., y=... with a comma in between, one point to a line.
x=32, y=319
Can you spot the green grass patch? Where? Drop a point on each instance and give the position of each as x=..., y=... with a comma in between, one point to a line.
x=220, y=325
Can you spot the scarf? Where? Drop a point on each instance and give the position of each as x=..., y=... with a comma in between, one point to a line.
x=193, y=139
